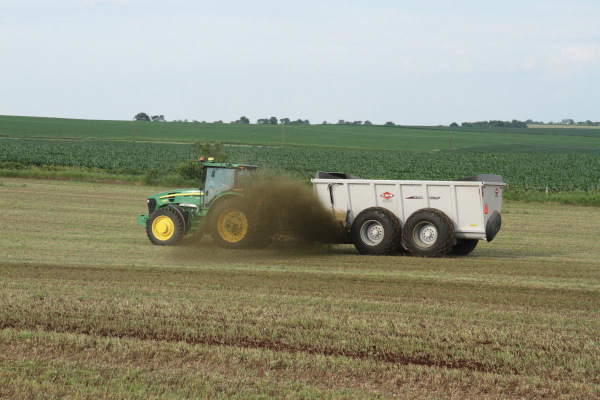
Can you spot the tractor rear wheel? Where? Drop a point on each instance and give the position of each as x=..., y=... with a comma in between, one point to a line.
x=464, y=247
x=235, y=224
x=165, y=227
x=428, y=233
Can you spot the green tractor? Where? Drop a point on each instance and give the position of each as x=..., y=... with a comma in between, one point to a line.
x=219, y=207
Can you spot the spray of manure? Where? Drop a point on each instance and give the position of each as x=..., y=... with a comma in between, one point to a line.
x=291, y=205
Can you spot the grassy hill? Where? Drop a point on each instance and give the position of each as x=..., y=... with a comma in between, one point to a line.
x=551, y=140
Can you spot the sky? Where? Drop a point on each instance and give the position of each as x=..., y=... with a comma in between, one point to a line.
x=410, y=62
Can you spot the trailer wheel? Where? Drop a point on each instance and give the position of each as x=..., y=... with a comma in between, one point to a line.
x=165, y=227
x=234, y=224
x=376, y=231
x=464, y=247
x=429, y=233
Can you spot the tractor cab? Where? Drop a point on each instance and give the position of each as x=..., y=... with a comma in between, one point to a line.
x=218, y=178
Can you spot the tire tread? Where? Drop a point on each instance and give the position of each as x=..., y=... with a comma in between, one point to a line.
x=395, y=238
x=429, y=213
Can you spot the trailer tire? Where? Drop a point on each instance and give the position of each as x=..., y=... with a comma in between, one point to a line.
x=376, y=231
x=464, y=247
x=165, y=227
x=429, y=233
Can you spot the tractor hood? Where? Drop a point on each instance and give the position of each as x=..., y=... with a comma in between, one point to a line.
x=176, y=196
x=176, y=193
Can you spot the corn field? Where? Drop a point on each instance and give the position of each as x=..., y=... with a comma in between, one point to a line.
x=558, y=172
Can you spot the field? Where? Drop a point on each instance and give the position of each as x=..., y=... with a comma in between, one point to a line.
x=565, y=140
x=88, y=308
x=558, y=172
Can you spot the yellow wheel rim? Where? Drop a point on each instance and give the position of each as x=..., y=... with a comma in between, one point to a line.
x=163, y=227
x=232, y=225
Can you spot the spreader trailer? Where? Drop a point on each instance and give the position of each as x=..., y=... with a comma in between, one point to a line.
x=425, y=218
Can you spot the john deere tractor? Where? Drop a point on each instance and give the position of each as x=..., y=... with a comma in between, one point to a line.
x=219, y=207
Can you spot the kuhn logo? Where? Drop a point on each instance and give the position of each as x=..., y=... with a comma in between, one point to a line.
x=386, y=195
x=497, y=191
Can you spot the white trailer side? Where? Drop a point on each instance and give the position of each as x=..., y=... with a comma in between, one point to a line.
x=469, y=204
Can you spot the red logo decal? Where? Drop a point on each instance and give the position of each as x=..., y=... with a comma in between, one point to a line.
x=497, y=191
x=387, y=195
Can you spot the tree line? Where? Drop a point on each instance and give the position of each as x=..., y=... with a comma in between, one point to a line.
x=142, y=116
x=492, y=124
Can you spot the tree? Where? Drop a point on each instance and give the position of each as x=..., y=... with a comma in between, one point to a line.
x=244, y=120
x=273, y=121
x=142, y=117
x=357, y=123
x=210, y=149
x=341, y=122
x=158, y=118
x=454, y=125
x=306, y=122
x=367, y=122
x=262, y=121
x=190, y=169
x=390, y=123
x=284, y=120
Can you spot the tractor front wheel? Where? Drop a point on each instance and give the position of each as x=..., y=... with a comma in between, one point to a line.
x=165, y=227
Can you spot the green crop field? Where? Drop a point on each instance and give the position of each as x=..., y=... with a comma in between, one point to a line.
x=90, y=309
x=526, y=171
x=341, y=136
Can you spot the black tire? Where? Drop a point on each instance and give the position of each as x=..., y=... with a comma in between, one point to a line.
x=400, y=250
x=438, y=228
x=464, y=247
x=376, y=231
x=232, y=234
x=173, y=229
x=184, y=217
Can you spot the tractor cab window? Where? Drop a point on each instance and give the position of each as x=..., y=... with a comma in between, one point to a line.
x=218, y=180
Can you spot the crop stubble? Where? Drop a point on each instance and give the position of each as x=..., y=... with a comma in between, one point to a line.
x=84, y=298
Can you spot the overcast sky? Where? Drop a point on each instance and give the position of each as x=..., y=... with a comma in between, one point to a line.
x=411, y=62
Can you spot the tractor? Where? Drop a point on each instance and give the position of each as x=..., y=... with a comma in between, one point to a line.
x=218, y=207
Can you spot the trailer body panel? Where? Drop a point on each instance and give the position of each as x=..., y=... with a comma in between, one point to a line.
x=469, y=204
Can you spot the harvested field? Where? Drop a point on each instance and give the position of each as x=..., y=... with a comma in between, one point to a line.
x=88, y=308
